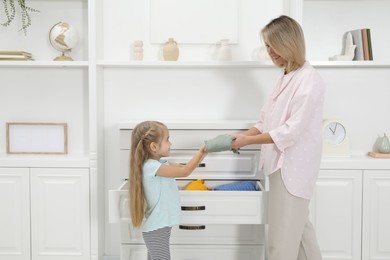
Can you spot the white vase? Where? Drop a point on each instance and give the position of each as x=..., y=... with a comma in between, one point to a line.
x=223, y=50
x=384, y=145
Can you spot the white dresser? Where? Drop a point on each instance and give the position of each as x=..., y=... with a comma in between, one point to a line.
x=216, y=224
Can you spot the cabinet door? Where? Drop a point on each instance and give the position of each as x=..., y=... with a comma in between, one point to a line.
x=376, y=215
x=335, y=211
x=14, y=214
x=60, y=214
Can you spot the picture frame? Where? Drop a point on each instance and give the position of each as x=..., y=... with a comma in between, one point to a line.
x=36, y=138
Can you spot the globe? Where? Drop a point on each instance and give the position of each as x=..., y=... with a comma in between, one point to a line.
x=63, y=37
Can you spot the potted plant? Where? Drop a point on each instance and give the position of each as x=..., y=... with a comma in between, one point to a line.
x=10, y=8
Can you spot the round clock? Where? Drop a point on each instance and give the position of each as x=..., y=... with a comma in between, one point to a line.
x=335, y=138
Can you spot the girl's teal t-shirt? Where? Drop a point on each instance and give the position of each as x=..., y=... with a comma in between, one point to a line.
x=162, y=198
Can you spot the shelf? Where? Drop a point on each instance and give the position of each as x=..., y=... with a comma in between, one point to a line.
x=350, y=64
x=235, y=64
x=185, y=64
x=189, y=64
x=43, y=64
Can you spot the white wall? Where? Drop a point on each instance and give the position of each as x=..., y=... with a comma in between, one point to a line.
x=358, y=96
x=25, y=100
x=168, y=93
x=163, y=94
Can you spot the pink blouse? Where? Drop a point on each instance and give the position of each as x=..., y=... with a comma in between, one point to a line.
x=293, y=117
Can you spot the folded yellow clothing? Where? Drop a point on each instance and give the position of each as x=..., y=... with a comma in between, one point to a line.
x=220, y=143
x=197, y=185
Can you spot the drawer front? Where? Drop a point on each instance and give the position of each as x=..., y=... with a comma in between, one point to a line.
x=200, y=252
x=223, y=165
x=185, y=139
x=203, y=207
x=203, y=234
x=224, y=207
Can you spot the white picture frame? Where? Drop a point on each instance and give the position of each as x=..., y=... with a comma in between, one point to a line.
x=36, y=138
x=194, y=21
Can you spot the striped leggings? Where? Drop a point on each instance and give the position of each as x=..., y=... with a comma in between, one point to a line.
x=157, y=243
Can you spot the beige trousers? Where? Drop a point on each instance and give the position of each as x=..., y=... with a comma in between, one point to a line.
x=291, y=235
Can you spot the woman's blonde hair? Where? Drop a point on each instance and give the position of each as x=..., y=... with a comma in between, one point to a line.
x=285, y=36
x=142, y=136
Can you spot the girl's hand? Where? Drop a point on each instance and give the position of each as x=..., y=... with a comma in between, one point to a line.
x=203, y=148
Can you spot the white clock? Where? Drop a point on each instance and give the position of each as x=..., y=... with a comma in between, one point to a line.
x=335, y=139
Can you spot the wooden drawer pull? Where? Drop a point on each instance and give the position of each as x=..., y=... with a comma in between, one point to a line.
x=193, y=208
x=201, y=227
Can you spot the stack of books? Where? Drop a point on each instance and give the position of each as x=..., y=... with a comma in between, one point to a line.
x=15, y=55
x=362, y=40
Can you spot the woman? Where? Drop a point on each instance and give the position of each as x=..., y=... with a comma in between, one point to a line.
x=289, y=126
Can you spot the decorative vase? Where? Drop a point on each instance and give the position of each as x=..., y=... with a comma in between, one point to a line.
x=384, y=145
x=138, y=50
x=170, y=50
x=224, y=53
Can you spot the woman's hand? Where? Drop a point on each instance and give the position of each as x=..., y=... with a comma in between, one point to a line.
x=244, y=140
x=240, y=140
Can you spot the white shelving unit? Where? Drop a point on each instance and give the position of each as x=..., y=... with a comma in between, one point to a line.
x=325, y=23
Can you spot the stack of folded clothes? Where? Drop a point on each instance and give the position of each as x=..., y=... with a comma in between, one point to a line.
x=238, y=186
x=197, y=185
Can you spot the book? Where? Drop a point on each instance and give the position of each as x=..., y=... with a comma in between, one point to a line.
x=365, y=44
x=23, y=53
x=358, y=41
x=24, y=58
x=362, y=40
x=371, y=57
x=15, y=55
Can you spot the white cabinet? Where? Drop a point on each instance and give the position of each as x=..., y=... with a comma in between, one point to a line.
x=376, y=215
x=42, y=91
x=57, y=199
x=215, y=224
x=350, y=208
x=60, y=214
x=335, y=211
x=14, y=214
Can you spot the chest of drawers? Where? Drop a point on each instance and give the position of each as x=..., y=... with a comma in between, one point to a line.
x=215, y=224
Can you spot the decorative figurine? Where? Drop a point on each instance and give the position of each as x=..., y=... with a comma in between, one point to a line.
x=349, y=50
x=384, y=145
x=138, y=51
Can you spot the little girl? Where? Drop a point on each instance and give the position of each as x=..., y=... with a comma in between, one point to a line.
x=154, y=196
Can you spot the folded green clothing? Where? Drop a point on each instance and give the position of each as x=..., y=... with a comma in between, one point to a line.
x=220, y=143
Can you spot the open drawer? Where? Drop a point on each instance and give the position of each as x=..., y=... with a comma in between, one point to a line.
x=222, y=165
x=204, y=207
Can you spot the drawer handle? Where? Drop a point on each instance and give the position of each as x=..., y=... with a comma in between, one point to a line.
x=193, y=208
x=200, y=165
x=201, y=227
